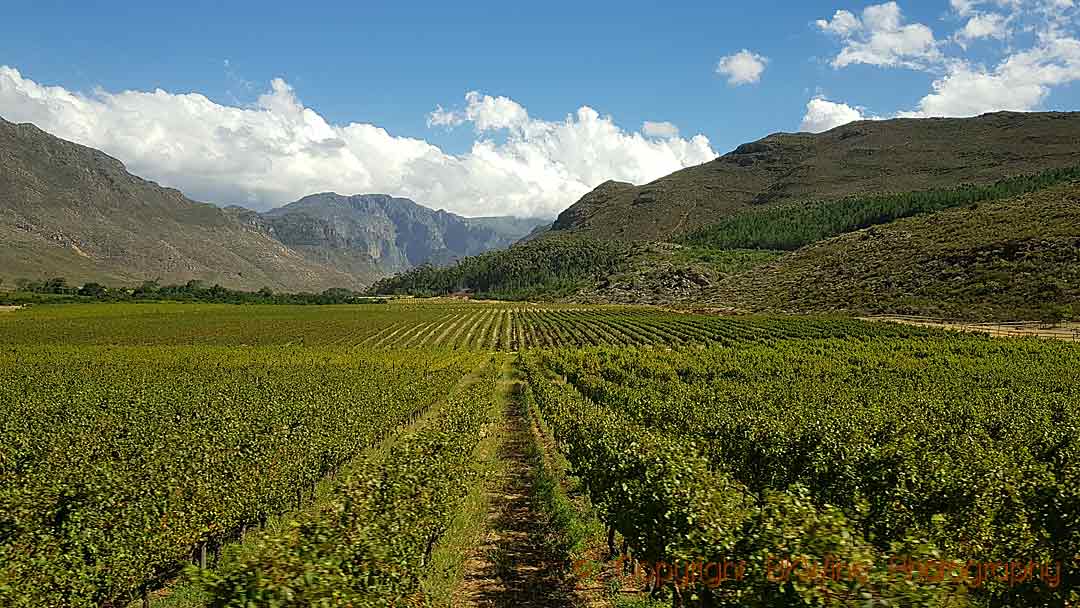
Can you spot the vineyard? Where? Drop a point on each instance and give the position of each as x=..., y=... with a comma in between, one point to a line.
x=181, y=455
x=462, y=326
x=944, y=451
x=132, y=461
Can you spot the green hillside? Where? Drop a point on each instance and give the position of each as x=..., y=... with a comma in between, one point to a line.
x=1012, y=259
x=789, y=227
x=540, y=269
x=972, y=252
x=856, y=159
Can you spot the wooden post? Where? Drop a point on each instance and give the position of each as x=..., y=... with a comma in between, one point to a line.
x=202, y=555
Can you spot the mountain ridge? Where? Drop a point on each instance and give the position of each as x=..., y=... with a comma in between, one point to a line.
x=74, y=211
x=872, y=156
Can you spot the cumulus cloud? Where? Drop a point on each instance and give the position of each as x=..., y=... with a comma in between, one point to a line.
x=664, y=130
x=485, y=112
x=1021, y=82
x=1020, y=78
x=744, y=67
x=843, y=23
x=277, y=150
x=822, y=115
x=988, y=25
x=880, y=37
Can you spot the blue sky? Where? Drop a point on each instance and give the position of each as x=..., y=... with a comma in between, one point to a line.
x=390, y=65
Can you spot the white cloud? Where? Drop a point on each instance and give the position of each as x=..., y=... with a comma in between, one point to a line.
x=1021, y=82
x=278, y=150
x=663, y=130
x=744, y=67
x=881, y=38
x=441, y=117
x=1003, y=76
x=963, y=7
x=843, y=23
x=988, y=25
x=967, y=8
x=822, y=115
x=485, y=112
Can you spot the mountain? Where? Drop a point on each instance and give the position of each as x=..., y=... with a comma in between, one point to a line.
x=1005, y=250
x=73, y=211
x=900, y=155
x=512, y=228
x=1017, y=258
x=387, y=234
x=69, y=210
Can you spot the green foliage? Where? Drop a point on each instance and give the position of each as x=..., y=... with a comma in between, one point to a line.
x=128, y=459
x=93, y=290
x=728, y=261
x=864, y=450
x=370, y=545
x=192, y=291
x=410, y=324
x=791, y=226
x=541, y=269
x=1015, y=259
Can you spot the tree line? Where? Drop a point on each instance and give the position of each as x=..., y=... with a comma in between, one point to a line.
x=546, y=268
x=57, y=290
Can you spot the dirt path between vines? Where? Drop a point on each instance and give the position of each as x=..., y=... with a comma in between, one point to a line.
x=512, y=566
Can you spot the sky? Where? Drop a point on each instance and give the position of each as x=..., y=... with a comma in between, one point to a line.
x=487, y=108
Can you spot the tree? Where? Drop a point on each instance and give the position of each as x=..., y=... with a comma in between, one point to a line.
x=55, y=285
x=93, y=290
x=147, y=289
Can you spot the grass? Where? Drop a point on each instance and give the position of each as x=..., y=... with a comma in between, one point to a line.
x=574, y=530
x=447, y=567
x=640, y=602
x=573, y=527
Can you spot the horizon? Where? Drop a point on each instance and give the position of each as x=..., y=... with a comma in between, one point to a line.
x=427, y=109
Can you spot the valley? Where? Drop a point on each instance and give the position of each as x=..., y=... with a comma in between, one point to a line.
x=853, y=350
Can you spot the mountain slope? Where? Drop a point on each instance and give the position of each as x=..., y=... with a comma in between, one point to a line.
x=73, y=211
x=1011, y=259
x=901, y=155
x=538, y=269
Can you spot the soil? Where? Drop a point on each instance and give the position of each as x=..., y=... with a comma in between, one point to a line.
x=513, y=566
